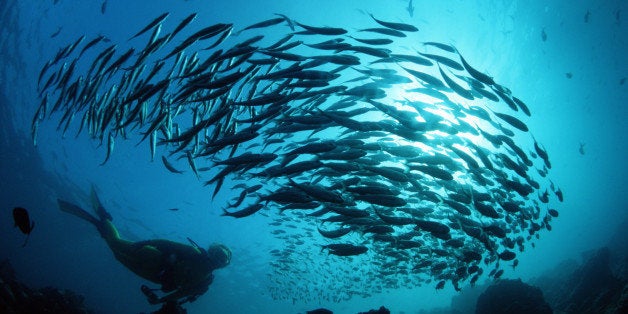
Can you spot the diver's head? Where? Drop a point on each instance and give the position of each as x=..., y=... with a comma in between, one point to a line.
x=219, y=255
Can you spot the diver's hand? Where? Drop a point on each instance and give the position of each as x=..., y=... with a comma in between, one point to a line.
x=150, y=295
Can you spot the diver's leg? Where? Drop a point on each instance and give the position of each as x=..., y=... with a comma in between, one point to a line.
x=124, y=251
x=118, y=245
x=108, y=231
x=139, y=257
x=143, y=258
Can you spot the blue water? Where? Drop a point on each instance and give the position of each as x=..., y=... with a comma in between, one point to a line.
x=573, y=82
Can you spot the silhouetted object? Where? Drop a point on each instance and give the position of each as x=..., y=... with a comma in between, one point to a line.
x=320, y=311
x=23, y=221
x=381, y=310
x=512, y=297
x=410, y=9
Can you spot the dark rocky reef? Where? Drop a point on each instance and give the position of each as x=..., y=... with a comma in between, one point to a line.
x=596, y=286
x=513, y=297
x=16, y=297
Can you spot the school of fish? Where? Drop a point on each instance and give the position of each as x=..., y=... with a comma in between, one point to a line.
x=409, y=160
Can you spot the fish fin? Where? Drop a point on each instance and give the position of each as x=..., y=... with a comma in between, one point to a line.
x=217, y=187
x=287, y=159
x=77, y=211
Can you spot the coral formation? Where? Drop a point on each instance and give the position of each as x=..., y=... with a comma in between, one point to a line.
x=16, y=297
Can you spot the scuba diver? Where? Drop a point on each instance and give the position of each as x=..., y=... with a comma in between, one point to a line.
x=183, y=271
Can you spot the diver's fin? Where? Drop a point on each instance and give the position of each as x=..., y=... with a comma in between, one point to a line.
x=98, y=208
x=78, y=212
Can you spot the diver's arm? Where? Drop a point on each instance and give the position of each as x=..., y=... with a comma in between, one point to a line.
x=188, y=292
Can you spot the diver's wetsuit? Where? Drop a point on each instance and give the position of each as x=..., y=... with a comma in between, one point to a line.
x=181, y=268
